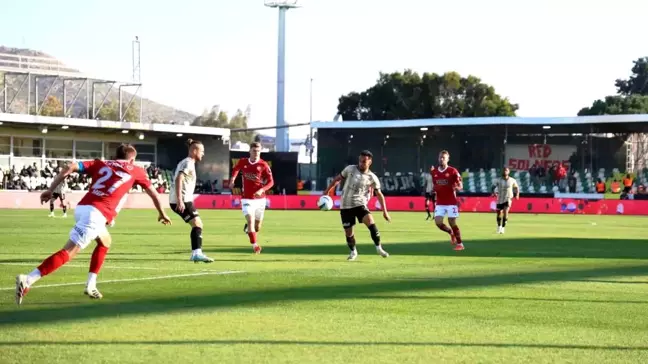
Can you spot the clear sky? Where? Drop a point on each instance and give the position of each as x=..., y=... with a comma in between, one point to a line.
x=552, y=57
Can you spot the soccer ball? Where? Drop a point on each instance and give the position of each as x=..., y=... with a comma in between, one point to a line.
x=325, y=203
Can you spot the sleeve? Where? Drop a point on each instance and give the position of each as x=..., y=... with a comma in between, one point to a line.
x=187, y=167
x=142, y=179
x=375, y=182
x=457, y=176
x=267, y=175
x=345, y=172
x=87, y=167
x=237, y=167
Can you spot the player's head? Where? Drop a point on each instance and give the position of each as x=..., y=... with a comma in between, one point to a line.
x=255, y=151
x=444, y=158
x=196, y=149
x=505, y=172
x=126, y=152
x=364, y=160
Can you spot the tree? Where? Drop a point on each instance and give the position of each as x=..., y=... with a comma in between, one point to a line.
x=631, y=98
x=216, y=118
x=52, y=106
x=409, y=95
x=111, y=112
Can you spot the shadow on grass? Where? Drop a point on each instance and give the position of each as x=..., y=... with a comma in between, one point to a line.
x=219, y=300
x=488, y=298
x=513, y=248
x=328, y=343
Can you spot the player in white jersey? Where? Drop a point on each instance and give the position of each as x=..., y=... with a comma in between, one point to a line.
x=430, y=195
x=358, y=184
x=181, y=198
x=59, y=194
x=505, y=189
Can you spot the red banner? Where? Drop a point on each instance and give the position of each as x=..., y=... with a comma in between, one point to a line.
x=467, y=204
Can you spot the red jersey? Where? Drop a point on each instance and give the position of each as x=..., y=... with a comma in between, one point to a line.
x=255, y=176
x=445, y=182
x=111, y=182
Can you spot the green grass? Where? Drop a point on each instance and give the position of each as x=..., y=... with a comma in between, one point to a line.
x=554, y=289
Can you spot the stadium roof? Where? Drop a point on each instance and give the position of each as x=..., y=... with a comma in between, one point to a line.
x=43, y=121
x=485, y=121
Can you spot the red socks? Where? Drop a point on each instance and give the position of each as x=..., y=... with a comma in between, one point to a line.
x=98, y=257
x=457, y=234
x=54, y=262
x=252, y=236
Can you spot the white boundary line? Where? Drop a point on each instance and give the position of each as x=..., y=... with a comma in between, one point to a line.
x=133, y=279
x=35, y=264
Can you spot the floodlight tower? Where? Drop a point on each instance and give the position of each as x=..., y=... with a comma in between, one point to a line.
x=282, y=142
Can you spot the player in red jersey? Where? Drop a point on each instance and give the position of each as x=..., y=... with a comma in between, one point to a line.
x=112, y=180
x=447, y=181
x=257, y=180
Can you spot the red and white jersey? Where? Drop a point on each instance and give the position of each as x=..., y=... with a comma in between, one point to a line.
x=445, y=181
x=255, y=176
x=111, y=182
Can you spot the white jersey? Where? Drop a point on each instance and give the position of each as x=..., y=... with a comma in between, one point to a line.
x=357, y=187
x=429, y=183
x=61, y=188
x=186, y=167
x=504, y=189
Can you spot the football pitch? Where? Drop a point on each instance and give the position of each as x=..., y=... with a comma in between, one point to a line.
x=553, y=289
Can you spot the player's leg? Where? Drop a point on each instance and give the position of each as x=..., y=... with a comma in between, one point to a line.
x=440, y=212
x=427, y=207
x=367, y=219
x=51, y=203
x=505, y=214
x=84, y=232
x=249, y=212
x=348, y=221
x=63, y=204
x=104, y=241
x=197, y=255
x=453, y=214
x=498, y=212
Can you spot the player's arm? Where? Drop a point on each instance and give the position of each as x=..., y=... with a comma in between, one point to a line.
x=458, y=182
x=267, y=175
x=235, y=172
x=344, y=174
x=516, y=190
x=143, y=181
x=381, y=198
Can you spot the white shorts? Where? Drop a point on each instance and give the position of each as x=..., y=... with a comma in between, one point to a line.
x=254, y=207
x=90, y=224
x=451, y=211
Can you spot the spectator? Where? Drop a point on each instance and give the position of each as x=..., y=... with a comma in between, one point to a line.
x=571, y=182
x=627, y=183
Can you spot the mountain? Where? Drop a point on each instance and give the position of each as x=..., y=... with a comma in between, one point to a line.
x=17, y=90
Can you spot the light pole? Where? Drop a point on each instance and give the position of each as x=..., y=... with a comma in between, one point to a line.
x=282, y=140
x=311, y=121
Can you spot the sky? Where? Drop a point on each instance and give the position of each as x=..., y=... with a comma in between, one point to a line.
x=551, y=57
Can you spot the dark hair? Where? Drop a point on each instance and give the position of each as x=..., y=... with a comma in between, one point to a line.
x=125, y=151
x=190, y=142
x=255, y=145
x=366, y=153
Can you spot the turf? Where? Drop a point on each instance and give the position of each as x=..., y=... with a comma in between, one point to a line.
x=553, y=289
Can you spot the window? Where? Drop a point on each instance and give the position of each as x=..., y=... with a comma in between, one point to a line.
x=145, y=152
x=88, y=150
x=5, y=145
x=58, y=149
x=27, y=147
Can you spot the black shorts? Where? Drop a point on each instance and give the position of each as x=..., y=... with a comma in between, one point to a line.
x=349, y=216
x=56, y=195
x=430, y=196
x=189, y=212
x=503, y=206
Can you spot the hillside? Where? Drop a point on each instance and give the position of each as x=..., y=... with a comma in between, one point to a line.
x=18, y=91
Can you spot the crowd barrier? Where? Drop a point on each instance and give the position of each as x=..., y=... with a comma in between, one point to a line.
x=30, y=200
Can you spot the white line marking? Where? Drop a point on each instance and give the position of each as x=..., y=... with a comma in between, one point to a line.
x=35, y=264
x=133, y=279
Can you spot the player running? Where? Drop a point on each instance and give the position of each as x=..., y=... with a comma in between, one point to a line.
x=430, y=195
x=447, y=181
x=257, y=180
x=504, y=191
x=112, y=181
x=181, y=198
x=358, y=183
x=59, y=194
